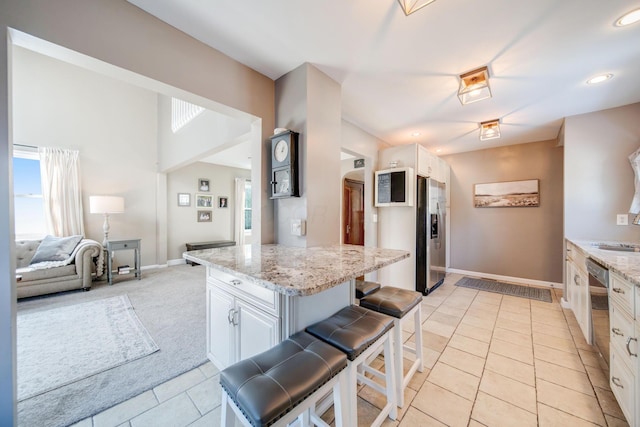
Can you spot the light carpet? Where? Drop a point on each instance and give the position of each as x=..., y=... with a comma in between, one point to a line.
x=505, y=288
x=60, y=346
x=170, y=303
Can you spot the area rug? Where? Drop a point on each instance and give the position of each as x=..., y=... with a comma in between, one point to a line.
x=62, y=345
x=505, y=288
x=170, y=303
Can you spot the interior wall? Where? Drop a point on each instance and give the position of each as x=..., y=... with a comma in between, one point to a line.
x=516, y=242
x=185, y=227
x=205, y=134
x=309, y=103
x=599, y=180
x=114, y=127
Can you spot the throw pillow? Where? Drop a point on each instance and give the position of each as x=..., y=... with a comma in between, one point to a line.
x=55, y=248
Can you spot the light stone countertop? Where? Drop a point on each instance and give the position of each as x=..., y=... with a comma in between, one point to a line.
x=296, y=271
x=626, y=264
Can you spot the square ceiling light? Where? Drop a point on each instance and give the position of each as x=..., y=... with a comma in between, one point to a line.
x=490, y=130
x=410, y=6
x=474, y=86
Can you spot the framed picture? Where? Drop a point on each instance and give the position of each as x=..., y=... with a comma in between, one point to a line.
x=203, y=184
x=184, y=199
x=223, y=202
x=204, y=216
x=507, y=194
x=204, y=201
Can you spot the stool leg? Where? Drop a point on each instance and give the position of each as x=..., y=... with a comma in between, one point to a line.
x=352, y=395
x=418, y=334
x=399, y=361
x=390, y=375
x=227, y=414
x=339, y=409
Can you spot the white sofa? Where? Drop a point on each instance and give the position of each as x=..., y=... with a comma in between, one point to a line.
x=86, y=261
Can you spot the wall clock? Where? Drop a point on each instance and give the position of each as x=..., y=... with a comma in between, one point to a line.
x=284, y=165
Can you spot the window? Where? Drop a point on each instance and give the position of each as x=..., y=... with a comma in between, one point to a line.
x=247, y=205
x=27, y=190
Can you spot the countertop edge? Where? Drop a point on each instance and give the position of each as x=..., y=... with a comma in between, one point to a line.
x=590, y=251
x=291, y=291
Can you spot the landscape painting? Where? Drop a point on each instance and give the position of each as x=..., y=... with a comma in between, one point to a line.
x=507, y=194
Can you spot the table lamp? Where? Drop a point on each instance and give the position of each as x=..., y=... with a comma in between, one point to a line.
x=106, y=205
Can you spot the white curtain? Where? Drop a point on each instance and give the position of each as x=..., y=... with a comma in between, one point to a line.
x=238, y=212
x=61, y=192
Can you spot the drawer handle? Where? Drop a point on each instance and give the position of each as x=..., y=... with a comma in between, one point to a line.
x=629, y=349
x=617, y=382
x=618, y=291
x=576, y=280
x=617, y=331
x=236, y=282
x=231, y=317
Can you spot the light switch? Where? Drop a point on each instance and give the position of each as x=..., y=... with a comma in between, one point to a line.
x=623, y=219
x=298, y=227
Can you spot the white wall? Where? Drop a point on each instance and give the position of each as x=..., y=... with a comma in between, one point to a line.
x=183, y=224
x=113, y=125
x=206, y=134
x=598, y=178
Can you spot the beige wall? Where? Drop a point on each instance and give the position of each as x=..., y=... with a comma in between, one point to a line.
x=515, y=242
x=309, y=103
x=183, y=224
x=118, y=33
x=598, y=177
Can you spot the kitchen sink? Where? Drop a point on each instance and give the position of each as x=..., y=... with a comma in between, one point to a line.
x=619, y=248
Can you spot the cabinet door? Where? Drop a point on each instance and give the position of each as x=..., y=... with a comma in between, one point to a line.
x=219, y=329
x=256, y=332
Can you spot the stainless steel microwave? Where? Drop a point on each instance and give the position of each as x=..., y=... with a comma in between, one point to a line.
x=394, y=187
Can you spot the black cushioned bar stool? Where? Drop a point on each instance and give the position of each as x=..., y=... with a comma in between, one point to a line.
x=283, y=383
x=400, y=303
x=364, y=288
x=360, y=333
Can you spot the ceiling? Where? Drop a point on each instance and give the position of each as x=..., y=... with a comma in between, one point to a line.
x=399, y=74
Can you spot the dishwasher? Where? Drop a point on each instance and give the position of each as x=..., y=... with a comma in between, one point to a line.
x=599, y=295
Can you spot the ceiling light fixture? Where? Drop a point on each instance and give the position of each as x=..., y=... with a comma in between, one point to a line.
x=410, y=6
x=599, y=79
x=490, y=130
x=416, y=134
x=628, y=18
x=474, y=86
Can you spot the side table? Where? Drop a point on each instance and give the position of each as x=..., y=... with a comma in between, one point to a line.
x=120, y=245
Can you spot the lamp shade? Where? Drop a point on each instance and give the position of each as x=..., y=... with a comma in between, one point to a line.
x=106, y=204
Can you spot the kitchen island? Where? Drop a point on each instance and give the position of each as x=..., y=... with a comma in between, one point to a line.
x=258, y=295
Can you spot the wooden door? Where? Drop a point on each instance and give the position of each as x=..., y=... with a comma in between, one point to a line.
x=353, y=212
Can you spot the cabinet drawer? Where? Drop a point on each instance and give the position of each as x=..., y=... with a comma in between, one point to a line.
x=622, y=292
x=622, y=382
x=262, y=297
x=622, y=328
x=577, y=256
x=129, y=244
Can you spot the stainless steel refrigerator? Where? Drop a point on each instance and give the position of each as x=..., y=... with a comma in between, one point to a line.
x=430, y=239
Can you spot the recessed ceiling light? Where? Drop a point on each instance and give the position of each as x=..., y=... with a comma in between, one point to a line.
x=599, y=79
x=416, y=134
x=628, y=18
x=439, y=150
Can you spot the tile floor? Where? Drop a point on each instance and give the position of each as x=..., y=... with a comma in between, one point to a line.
x=490, y=360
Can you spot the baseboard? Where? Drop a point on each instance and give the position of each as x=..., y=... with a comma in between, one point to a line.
x=511, y=279
x=153, y=267
x=564, y=303
x=178, y=261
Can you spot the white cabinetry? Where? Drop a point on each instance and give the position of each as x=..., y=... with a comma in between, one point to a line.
x=243, y=319
x=578, y=289
x=624, y=366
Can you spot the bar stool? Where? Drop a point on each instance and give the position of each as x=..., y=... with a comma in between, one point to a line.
x=364, y=288
x=360, y=333
x=400, y=303
x=284, y=383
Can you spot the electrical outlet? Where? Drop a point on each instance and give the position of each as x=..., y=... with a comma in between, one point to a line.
x=623, y=219
x=298, y=227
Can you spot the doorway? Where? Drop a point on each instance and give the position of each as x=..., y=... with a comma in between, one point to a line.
x=353, y=212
